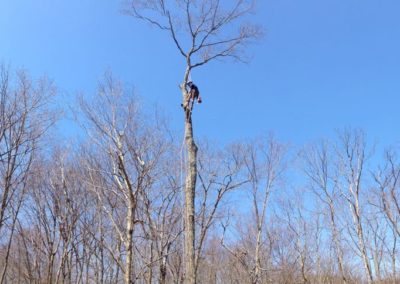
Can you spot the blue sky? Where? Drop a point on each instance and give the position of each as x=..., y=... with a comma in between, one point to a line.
x=321, y=66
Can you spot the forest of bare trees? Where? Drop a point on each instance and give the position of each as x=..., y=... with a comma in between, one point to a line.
x=109, y=208
x=129, y=202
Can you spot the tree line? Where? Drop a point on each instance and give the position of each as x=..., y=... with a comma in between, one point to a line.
x=109, y=208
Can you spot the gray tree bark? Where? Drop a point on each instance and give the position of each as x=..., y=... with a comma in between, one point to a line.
x=190, y=187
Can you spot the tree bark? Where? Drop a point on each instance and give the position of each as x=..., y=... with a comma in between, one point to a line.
x=336, y=241
x=190, y=187
x=257, y=259
x=129, y=239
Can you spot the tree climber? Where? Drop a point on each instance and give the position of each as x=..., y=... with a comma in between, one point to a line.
x=194, y=94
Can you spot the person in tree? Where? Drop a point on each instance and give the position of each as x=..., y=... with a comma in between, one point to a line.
x=193, y=93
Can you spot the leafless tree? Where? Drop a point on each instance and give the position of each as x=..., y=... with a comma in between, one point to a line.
x=108, y=208
x=162, y=214
x=125, y=155
x=24, y=118
x=318, y=167
x=54, y=210
x=265, y=164
x=352, y=155
x=202, y=31
x=296, y=219
x=220, y=173
x=387, y=201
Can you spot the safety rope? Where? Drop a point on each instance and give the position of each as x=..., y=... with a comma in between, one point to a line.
x=183, y=162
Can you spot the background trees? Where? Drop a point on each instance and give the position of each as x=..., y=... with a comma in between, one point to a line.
x=109, y=208
x=24, y=118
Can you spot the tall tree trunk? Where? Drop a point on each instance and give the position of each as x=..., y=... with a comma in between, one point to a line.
x=257, y=258
x=130, y=216
x=163, y=270
x=336, y=241
x=3, y=274
x=129, y=238
x=189, y=204
x=4, y=201
x=361, y=242
x=190, y=186
x=150, y=266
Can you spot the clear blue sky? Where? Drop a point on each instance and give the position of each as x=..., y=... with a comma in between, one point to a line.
x=322, y=65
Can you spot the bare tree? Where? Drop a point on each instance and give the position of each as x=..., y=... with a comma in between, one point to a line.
x=107, y=128
x=352, y=156
x=387, y=200
x=53, y=212
x=220, y=173
x=296, y=219
x=264, y=163
x=318, y=168
x=162, y=211
x=202, y=31
x=24, y=118
x=122, y=159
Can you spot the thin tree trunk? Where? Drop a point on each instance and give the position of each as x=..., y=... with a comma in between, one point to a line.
x=163, y=270
x=377, y=267
x=335, y=236
x=3, y=274
x=362, y=245
x=393, y=256
x=361, y=241
x=163, y=266
x=4, y=199
x=130, y=216
x=50, y=266
x=150, y=266
x=257, y=268
x=129, y=239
